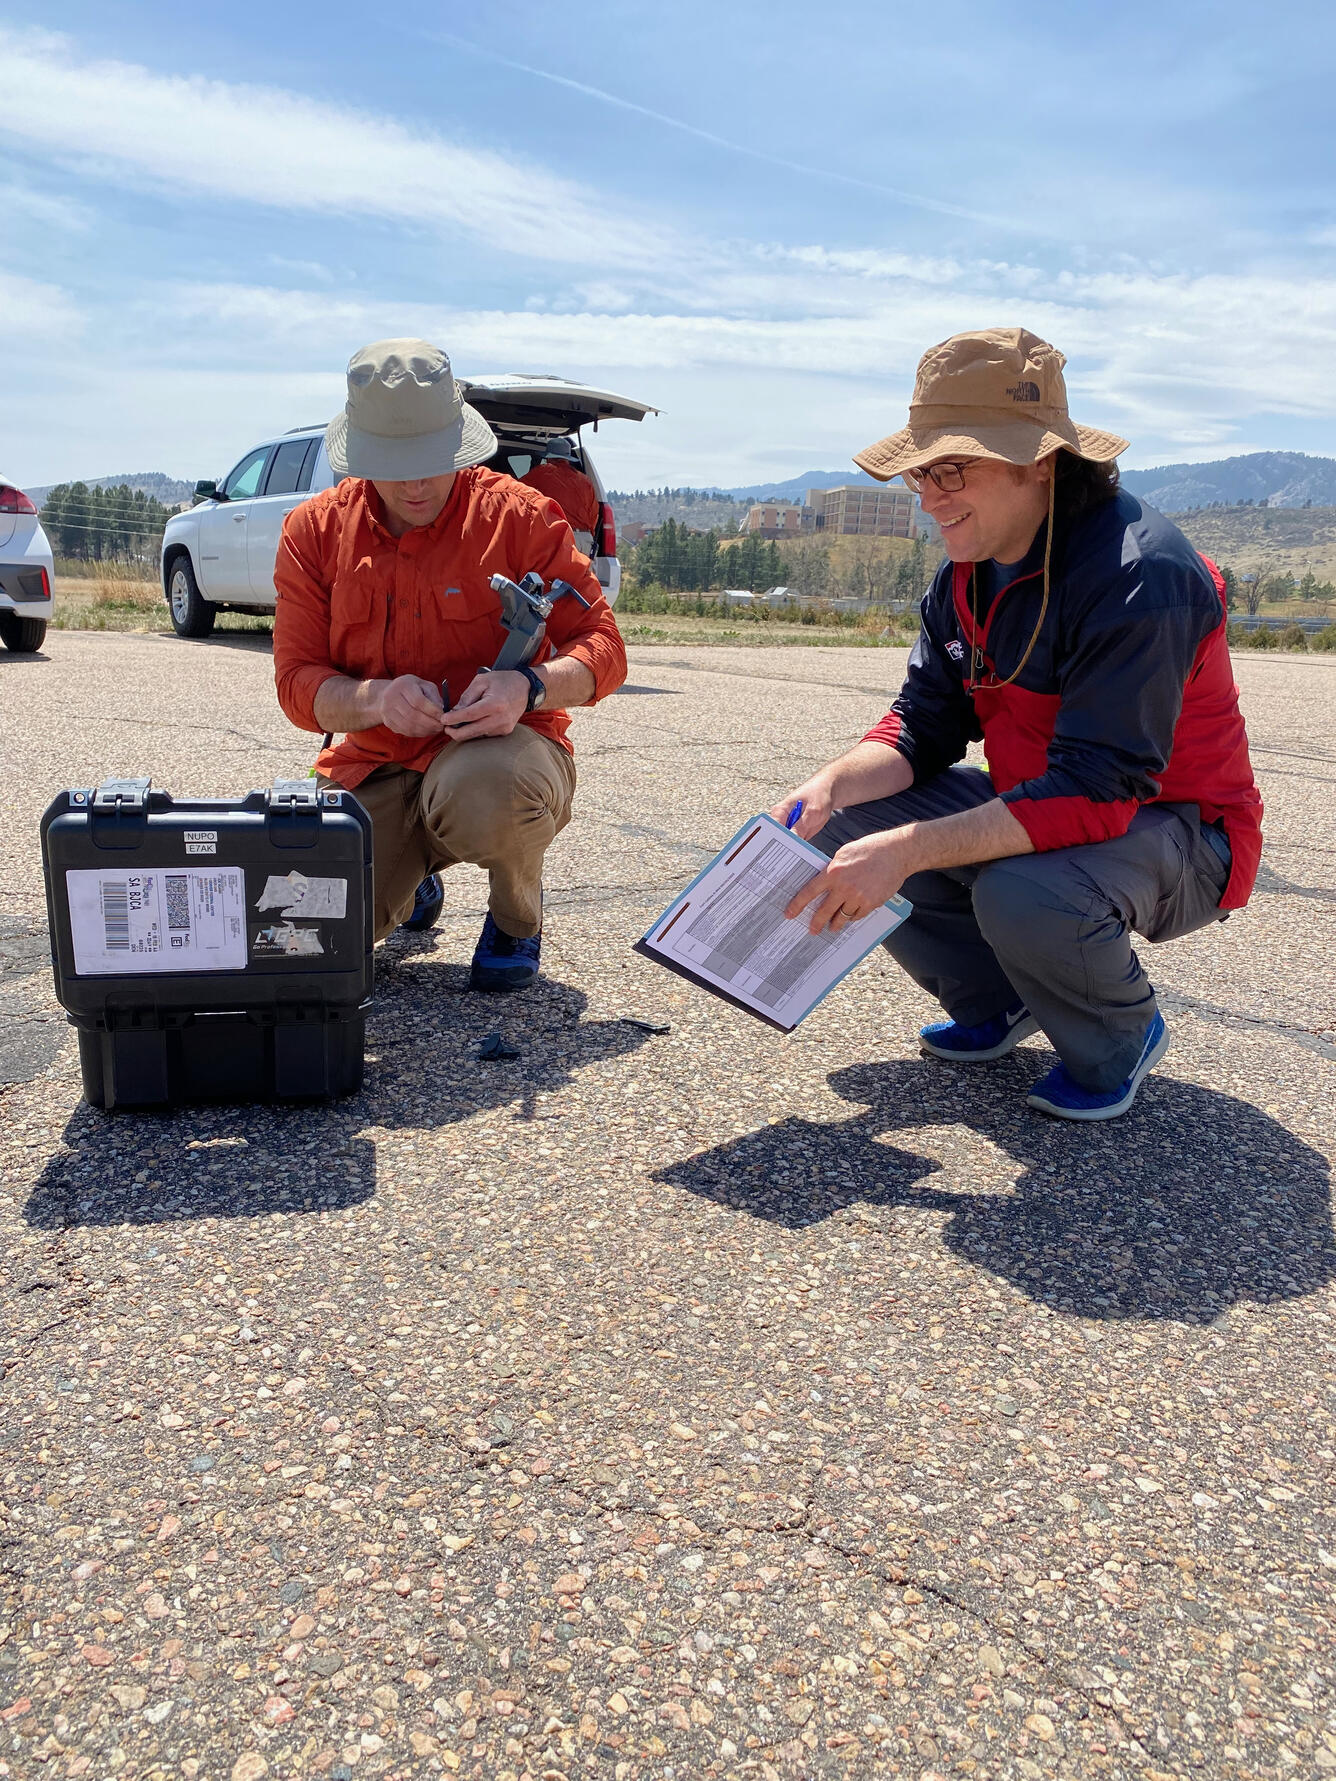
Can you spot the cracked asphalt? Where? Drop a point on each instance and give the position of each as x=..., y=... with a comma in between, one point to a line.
x=701, y=1403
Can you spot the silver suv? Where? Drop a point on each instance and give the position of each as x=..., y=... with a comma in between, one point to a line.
x=218, y=556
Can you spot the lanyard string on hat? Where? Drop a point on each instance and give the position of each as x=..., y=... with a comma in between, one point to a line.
x=976, y=651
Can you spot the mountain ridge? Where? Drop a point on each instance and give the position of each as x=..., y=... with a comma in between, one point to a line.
x=1263, y=478
x=167, y=489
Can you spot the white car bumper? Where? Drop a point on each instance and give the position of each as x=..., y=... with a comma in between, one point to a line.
x=27, y=578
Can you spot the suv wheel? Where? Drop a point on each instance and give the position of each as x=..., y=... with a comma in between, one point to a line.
x=22, y=635
x=192, y=615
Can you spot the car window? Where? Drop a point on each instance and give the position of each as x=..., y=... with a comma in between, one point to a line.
x=292, y=459
x=308, y=468
x=243, y=481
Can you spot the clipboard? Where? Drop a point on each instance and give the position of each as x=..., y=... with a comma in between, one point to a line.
x=726, y=932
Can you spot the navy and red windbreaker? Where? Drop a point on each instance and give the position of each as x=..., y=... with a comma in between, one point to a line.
x=1128, y=696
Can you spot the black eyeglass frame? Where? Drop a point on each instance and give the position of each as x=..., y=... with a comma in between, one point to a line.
x=958, y=467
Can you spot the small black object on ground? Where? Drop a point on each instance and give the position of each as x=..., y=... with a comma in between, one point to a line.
x=646, y=1026
x=494, y=1048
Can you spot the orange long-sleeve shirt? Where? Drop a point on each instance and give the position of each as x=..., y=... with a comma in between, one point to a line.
x=570, y=488
x=353, y=599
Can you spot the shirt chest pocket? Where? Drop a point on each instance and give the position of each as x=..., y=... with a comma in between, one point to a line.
x=359, y=622
x=460, y=623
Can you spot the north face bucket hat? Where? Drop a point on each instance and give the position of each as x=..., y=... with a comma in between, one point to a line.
x=404, y=418
x=997, y=393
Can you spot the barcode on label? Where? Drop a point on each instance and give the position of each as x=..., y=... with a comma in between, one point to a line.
x=116, y=917
x=178, y=901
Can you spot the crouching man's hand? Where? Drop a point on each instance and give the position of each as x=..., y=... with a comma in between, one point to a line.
x=815, y=796
x=860, y=877
x=409, y=706
x=490, y=705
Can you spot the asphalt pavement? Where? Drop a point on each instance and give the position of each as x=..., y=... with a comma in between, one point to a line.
x=700, y=1403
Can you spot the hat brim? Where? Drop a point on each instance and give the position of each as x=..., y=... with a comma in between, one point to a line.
x=1017, y=442
x=378, y=458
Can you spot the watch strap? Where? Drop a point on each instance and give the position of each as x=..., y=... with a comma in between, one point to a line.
x=537, y=686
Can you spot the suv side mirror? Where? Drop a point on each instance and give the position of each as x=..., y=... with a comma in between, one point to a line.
x=208, y=491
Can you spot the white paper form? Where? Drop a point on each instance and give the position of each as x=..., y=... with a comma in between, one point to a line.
x=728, y=932
x=177, y=919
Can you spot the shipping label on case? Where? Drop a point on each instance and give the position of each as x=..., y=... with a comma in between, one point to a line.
x=173, y=919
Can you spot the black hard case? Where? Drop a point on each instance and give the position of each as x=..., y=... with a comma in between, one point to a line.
x=282, y=1028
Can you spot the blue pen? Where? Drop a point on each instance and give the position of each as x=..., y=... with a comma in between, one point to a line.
x=794, y=814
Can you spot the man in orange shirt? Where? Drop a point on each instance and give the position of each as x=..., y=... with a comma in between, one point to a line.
x=383, y=595
x=556, y=476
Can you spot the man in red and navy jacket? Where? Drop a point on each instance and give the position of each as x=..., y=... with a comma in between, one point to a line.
x=1079, y=637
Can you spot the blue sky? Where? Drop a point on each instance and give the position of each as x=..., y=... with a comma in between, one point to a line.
x=755, y=217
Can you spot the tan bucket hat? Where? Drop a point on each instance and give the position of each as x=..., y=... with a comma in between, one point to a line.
x=997, y=393
x=404, y=418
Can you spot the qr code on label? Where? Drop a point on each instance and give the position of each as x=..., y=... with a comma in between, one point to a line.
x=178, y=901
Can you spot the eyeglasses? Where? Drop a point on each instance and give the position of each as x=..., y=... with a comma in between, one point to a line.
x=949, y=477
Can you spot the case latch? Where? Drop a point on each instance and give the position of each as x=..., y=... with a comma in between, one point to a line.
x=119, y=813
x=293, y=816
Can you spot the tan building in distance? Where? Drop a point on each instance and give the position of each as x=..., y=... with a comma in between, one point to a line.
x=774, y=519
x=865, y=512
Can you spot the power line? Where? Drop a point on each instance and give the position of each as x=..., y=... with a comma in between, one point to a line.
x=120, y=512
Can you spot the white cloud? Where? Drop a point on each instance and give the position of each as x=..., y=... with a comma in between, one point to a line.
x=50, y=212
x=768, y=358
x=262, y=145
x=1208, y=346
x=36, y=314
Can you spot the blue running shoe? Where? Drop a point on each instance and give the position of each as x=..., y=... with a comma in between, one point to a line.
x=981, y=1044
x=500, y=962
x=1060, y=1094
x=427, y=901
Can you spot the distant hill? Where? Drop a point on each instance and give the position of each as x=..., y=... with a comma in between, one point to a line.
x=722, y=509
x=1266, y=478
x=1294, y=539
x=167, y=489
x=796, y=486
x=702, y=510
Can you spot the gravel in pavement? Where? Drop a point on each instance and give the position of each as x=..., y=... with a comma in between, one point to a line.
x=675, y=1399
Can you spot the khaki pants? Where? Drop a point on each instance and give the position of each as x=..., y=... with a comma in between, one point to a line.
x=496, y=802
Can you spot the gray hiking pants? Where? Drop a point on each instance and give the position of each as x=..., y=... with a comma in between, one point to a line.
x=1050, y=928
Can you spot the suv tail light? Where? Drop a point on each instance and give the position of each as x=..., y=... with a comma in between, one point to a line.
x=607, y=529
x=14, y=500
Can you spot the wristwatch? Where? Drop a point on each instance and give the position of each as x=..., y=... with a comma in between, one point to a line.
x=537, y=689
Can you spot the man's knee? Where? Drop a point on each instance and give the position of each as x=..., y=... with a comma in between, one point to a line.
x=1025, y=903
x=479, y=801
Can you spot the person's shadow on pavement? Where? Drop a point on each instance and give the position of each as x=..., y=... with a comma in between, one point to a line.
x=422, y=1071
x=1188, y=1204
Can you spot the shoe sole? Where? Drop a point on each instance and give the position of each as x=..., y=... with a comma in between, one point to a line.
x=1088, y=1113
x=488, y=980
x=423, y=926
x=1022, y=1030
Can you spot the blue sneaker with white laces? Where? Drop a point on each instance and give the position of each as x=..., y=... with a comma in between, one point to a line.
x=502, y=962
x=1059, y=1092
x=979, y=1045
x=428, y=899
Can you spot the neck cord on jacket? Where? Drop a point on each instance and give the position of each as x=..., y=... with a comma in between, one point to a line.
x=976, y=651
